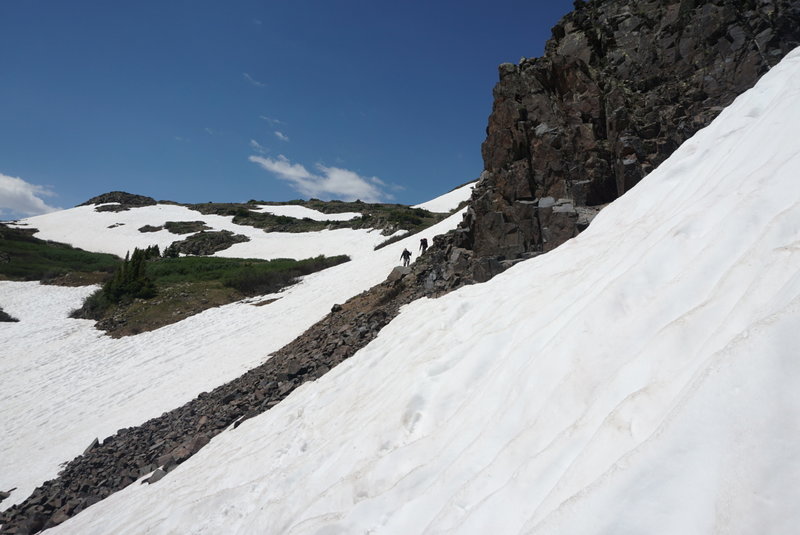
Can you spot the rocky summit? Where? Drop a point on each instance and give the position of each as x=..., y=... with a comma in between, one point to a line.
x=621, y=85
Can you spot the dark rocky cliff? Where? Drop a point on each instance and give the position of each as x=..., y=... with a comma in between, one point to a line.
x=621, y=85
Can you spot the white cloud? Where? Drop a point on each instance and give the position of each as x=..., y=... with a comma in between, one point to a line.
x=281, y=136
x=20, y=197
x=327, y=183
x=270, y=120
x=258, y=147
x=252, y=80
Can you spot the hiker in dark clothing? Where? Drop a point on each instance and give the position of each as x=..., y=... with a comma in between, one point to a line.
x=406, y=256
x=423, y=245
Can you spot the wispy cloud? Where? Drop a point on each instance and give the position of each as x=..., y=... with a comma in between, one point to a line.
x=270, y=120
x=327, y=182
x=20, y=197
x=281, y=136
x=257, y=22
x=252, y=80
x=258, y=147
x=209, y=131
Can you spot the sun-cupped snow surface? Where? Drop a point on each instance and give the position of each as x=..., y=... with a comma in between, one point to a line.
x=642, y=378
x=118, y=233
x=63, y=383
x=448, y=201
x=303, y=212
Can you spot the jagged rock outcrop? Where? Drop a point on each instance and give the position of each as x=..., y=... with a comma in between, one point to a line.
x=125, y=201
x=621, y=85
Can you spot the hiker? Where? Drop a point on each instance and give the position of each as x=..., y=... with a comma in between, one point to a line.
x=406, y=256
x=423, y=245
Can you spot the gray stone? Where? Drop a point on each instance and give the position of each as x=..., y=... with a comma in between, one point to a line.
x=91, y=446
x=398, y=273
x=157, y=476
x=165, y=460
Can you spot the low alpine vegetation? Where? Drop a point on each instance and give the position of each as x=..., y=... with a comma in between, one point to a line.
x=149, y=291
x=25, y=258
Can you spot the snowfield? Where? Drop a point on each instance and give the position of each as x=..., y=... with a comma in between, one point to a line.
x=642, y=378
x=63, y=383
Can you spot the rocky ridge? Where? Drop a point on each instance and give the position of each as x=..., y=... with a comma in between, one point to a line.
x=621, y=85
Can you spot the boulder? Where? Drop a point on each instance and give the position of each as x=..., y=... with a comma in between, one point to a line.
x=398, y=273
x=157, y=476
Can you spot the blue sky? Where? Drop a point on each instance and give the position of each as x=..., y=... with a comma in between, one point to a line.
x=203, y=100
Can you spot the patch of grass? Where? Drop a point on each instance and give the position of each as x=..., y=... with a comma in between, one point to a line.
x=25, y=258
x=172, y=304
x=271, y=277
x=247, y=276
x=187, y=285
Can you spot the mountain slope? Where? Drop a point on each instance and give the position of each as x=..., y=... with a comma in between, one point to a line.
x=62, y=383
x=641, y=378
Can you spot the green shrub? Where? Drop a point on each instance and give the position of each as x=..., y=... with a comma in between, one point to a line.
x=131, y=280
x=93, y=307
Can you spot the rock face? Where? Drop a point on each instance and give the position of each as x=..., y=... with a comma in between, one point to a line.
x=621, y=85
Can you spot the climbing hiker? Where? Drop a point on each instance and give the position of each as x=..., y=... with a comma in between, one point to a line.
x=406, y=257
x=423, y=245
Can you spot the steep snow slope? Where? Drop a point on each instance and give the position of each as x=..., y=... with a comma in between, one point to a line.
x=448, y=201
x=118, y=233
x=642, y=378
x=63, y=383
